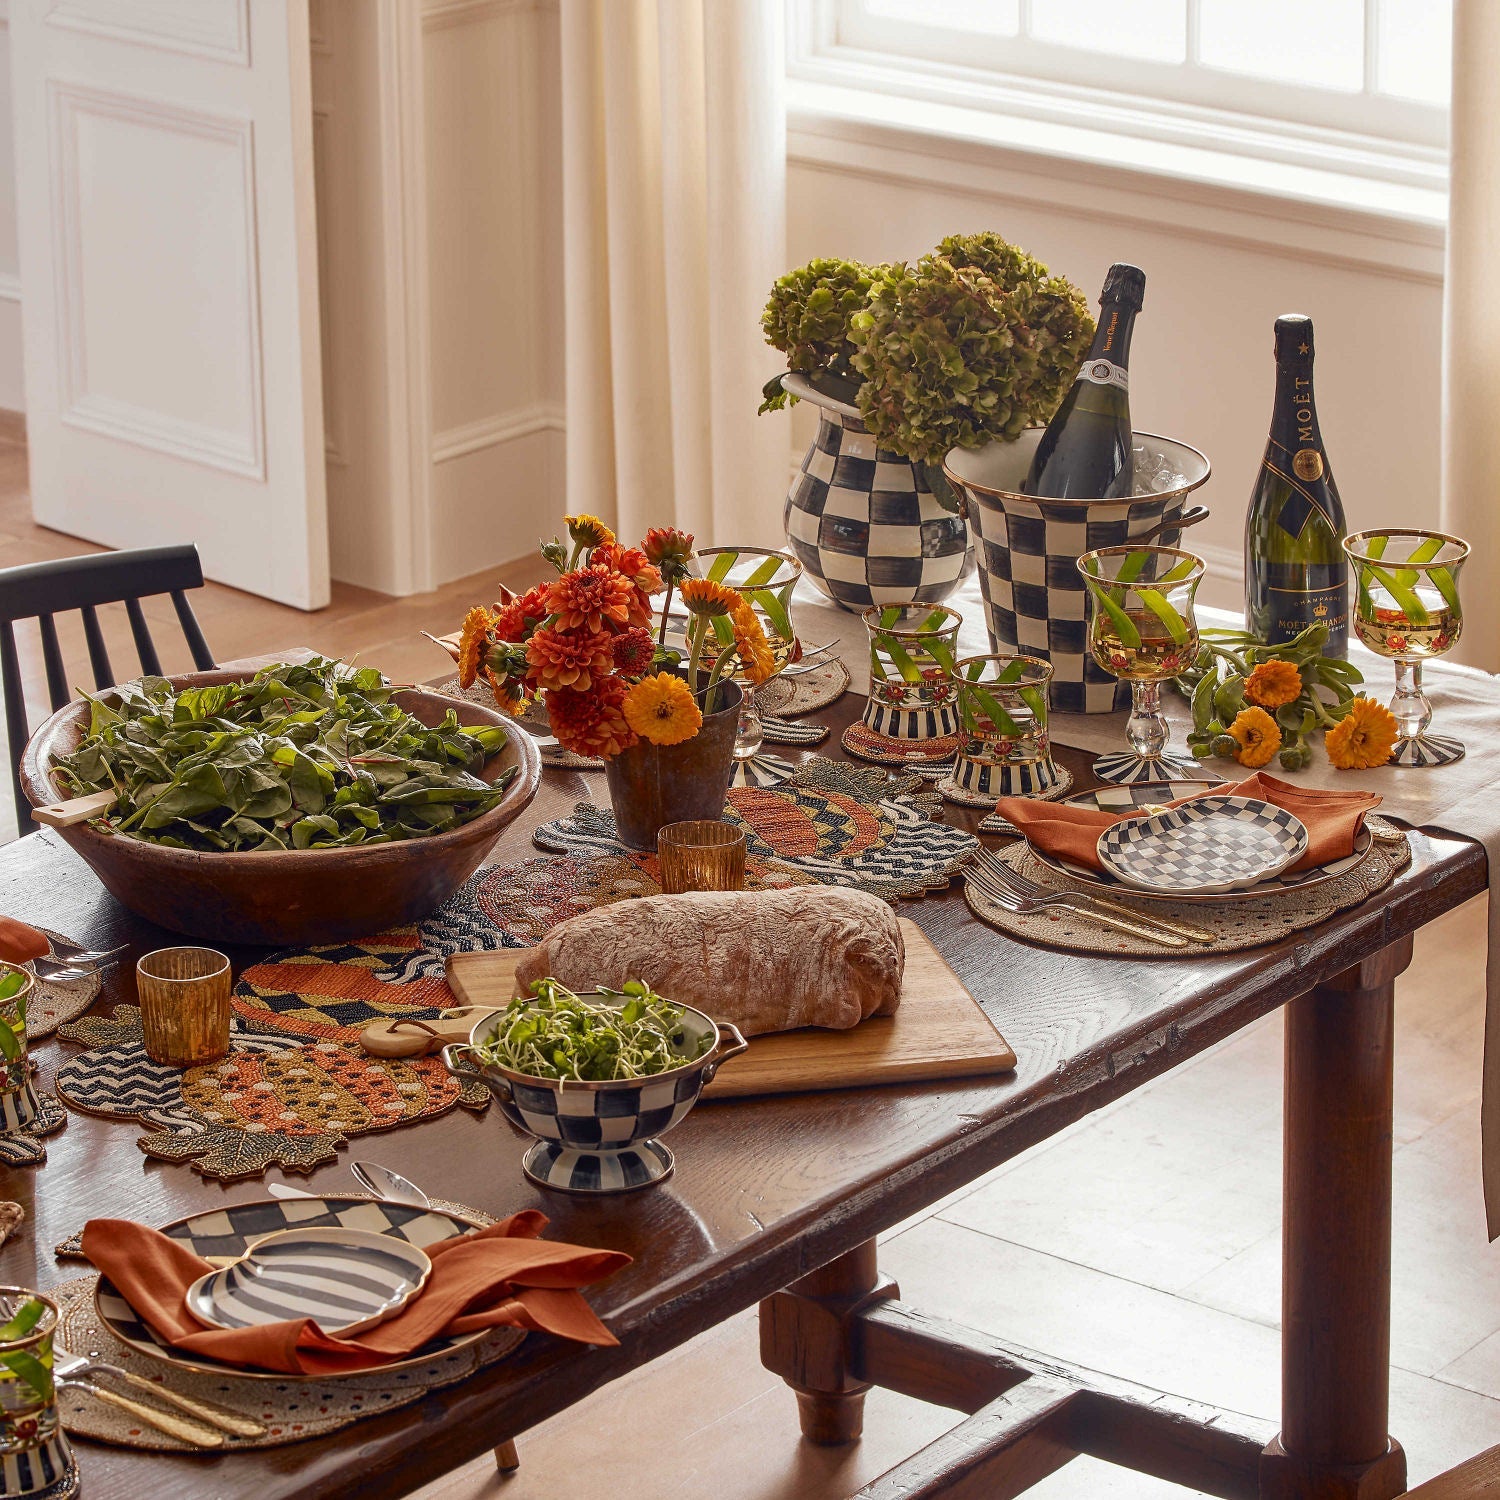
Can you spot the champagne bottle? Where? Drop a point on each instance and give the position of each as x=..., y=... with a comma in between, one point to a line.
x=1296, y=573
x=1085, y=452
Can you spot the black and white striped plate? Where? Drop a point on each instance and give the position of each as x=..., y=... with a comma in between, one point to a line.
x=346, y=1280
x=227, y=1233
x=1147, y=796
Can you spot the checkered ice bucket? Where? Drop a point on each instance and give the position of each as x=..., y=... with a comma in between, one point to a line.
x=1028, y=549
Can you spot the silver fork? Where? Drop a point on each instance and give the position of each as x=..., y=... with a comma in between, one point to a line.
x=67, y=952
x=1001, y=895
x=1024, y=886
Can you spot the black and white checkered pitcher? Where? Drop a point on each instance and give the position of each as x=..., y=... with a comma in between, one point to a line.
x=599, y=1137
x=1028, y=549
x=863, y=522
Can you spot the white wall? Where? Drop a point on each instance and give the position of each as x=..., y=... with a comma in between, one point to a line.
x=12, y=391
x=1201, y=365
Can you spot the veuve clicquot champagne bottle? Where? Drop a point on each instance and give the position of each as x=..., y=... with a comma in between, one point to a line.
x=1296, y=574
x=1085, y=452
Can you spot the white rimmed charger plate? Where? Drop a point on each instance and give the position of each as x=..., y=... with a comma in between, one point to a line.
x=346, y=1280
x=1208, y=844
x=1149, y=795
x=227, y=1233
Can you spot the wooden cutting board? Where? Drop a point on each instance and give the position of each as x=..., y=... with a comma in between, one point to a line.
x=938, y=1031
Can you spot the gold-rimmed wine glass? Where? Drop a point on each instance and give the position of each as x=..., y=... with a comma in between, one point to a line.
x=1142, y=629
x=767, y=580
x=1406, y=607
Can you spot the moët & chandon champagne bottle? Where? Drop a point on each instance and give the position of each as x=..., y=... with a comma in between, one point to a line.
x=1296, y=573
x=1085, y=452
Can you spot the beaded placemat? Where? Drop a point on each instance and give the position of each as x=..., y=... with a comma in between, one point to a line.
x=804, y=692
x=929, y=759
x=838, y=823
x=1236, y=925
x=54, y=1001
x=292, y=1410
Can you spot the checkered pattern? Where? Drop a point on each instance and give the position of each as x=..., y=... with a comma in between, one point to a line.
x=863, y=522
x=1034, y=600
x=1209, y=844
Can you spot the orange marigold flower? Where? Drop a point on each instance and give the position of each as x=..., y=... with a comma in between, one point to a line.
x=510, y=697
x=634, y=650
x=1273, y=683
x=591, y=723
x=1363, y=738
x=706, y=597
x=589, y=531
x=471, y=644
x=750, y=643
x=569, y=659
x=510, y=620
x=590, y=598
x=661, y=709
x=1258, y=736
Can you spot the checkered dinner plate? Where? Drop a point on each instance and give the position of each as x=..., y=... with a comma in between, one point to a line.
x=228, y=1232
x=1208, y=844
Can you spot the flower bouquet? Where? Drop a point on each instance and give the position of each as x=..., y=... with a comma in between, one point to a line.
x=583, y=645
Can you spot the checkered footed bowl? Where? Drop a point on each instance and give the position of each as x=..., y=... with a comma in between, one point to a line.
x=1028, y=549
x=863, y=522
x=599, y=1137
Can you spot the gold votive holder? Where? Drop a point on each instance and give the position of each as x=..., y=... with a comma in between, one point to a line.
x=701, y=856
x=184, y=995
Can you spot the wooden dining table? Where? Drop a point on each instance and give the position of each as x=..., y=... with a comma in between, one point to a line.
x=779, y=1200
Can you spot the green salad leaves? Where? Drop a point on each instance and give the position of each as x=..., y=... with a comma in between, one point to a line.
x=553, y=1033
x=311, y=756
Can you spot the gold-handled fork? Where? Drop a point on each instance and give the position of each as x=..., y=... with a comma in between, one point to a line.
x=990, y=888
x=83, y=1373
x=1024, y=886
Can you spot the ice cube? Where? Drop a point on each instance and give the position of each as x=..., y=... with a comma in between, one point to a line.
x=1153, y=471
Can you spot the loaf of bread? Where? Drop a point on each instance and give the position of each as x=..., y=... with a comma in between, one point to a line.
x=811, y=955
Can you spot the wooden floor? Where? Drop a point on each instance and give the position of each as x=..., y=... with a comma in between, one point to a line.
x=1144, y=1241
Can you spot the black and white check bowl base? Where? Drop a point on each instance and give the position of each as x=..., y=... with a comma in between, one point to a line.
x=1126, y=768
x=1209, y=844
x=596, y=1138
x=864, y=523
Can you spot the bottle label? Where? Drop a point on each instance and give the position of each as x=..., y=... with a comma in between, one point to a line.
x=1308, y=464
x=1303, y=503
x=1292, y=610
x=1105, y=372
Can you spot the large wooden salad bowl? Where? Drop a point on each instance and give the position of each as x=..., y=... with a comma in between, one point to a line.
x=302, y=895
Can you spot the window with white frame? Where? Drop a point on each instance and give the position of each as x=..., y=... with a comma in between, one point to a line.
x=1360, y=83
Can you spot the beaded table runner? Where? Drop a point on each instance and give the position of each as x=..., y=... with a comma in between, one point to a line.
x=295, y=1084
x=1235, y=924
x=839, y=824
x=292, y=1410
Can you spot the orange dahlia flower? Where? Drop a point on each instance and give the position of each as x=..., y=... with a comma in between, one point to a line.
x=661, y=709
x=645, y=578
x=750, y=644
x=1363, y=738
x=591, y=723
x=1273, y=683
x=1258, y=736
x=670, y=549
x=569, y=659
x=471, y=643
x=706, y=597
x=634, y=651
x=510, y=620
x=589, y=598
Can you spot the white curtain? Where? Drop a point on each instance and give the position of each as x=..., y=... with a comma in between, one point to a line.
x=1471, y=327
x=674, y=177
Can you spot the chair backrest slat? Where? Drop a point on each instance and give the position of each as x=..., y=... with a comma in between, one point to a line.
x=203, y=658
x=57, y=677
x=145, y=647
x=42, y=590
x=98, y=654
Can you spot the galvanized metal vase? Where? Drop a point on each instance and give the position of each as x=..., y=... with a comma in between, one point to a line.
x=653, y=785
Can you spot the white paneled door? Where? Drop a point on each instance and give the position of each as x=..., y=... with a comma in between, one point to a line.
x=168, y=251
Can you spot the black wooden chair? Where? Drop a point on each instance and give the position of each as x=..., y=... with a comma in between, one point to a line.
x=43, y=590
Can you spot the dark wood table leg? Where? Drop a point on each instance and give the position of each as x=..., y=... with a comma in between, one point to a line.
x=1336, y=1242
x=805, y=1335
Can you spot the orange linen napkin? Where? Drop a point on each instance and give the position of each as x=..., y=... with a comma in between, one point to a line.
x=1332, y=819
x=503, y=1276
x=20, y=943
